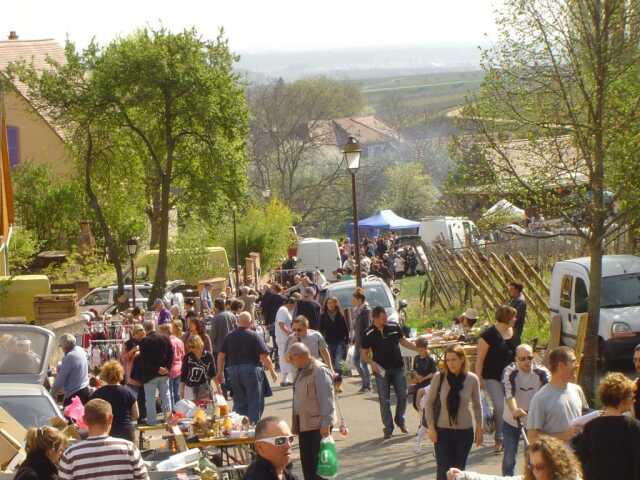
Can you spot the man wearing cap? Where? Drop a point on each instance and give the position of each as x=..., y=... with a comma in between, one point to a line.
x=164, y=315
x=73, y=375
x=309, y=308
x=468, y=319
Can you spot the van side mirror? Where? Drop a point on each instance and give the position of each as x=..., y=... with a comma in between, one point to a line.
x=403, y=304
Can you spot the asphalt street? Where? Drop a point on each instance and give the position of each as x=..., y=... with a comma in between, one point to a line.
x=363, y=454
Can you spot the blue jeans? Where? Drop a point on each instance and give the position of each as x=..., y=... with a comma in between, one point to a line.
x=162, y=385
x=248, y=394
x=511, y=438
x=174, y=387
x=452, y=449
x=362, y=368
x=337, y=352
x=395, y=377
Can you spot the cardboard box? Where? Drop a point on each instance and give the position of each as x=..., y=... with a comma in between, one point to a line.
x=9, y=448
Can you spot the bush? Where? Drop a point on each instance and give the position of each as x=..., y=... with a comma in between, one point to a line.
x=262, y=229
x=23, y=247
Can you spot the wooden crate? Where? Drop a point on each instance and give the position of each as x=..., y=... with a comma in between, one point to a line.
x=49, y=308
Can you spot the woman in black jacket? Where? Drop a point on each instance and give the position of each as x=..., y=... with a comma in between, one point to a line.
x=44, y=447
x=334, y=329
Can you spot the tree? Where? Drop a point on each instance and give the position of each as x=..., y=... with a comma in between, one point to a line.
x=409, y=191
x=169, y=104
x=23, y=247
x=563, y=76
x=290, y=148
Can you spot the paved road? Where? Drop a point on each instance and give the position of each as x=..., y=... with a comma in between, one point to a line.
x=365, y=455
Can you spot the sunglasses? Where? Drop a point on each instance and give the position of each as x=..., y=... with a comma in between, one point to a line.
x=279, y=441
x=522, y=359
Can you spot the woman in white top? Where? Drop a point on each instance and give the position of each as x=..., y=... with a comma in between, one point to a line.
x=283, y=321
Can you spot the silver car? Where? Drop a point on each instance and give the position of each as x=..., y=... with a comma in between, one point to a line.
x=25, y=351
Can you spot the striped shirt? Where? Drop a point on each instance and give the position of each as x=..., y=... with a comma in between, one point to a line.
x=102, y=457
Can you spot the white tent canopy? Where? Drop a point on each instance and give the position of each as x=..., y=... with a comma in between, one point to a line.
x=505, y=207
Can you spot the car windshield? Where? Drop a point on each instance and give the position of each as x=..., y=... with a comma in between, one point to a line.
x=29, y=410
x=99, y=297
x=375, y=294
x=620, y=291
x=22, y=352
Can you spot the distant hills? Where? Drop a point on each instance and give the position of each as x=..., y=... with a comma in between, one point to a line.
x=361, y=63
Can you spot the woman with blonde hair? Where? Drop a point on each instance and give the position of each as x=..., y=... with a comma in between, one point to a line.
x=198, y=370
x=123, y=400
x=44, y=446
x=452, y=407
x=548, y=459
x=610, y=444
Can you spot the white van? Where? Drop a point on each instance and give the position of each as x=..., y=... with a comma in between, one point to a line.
x=319, y=254
x=457, y=232
x=619, y=327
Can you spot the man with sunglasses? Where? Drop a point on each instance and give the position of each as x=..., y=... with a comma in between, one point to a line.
x=273, y=448
x=521, y=380
x=313, y=340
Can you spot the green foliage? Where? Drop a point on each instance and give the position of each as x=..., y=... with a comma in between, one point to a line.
x=77, y=267
x=189, y=254
x=262, y=229
x=49, y=207
x=409, y=191
x=471, y=167
x=23, y=247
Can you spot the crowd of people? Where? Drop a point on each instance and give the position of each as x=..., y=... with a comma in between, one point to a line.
x=194, y=353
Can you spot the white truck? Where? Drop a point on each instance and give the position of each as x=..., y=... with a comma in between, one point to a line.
x=319, y=254
x=457, y=232
x=619, y=327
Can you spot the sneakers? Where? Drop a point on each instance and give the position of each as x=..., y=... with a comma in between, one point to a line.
x=403, y=428
x=286, y=384
x=364, y=390
x=387, y=435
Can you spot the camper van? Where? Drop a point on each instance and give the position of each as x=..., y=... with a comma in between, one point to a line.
x=457, y=232
x=319, y=254
x=619, y=327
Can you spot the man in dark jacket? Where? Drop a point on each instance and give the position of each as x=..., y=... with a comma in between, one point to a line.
x=273, y=448
x=156, y=357
x=517, y=301
x=309, y=308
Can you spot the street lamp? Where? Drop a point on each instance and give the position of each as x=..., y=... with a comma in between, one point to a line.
x=351, y=153
x=235, y=248
x=132, y=249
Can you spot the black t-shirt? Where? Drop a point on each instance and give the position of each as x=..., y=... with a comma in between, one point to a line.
x=311, y=310
x=636, y=403
x=424, y=366
x=197, y=371
x=242, y=347
x=501, y=353
x=384, y=345
x=121, y=399
x=608, y=448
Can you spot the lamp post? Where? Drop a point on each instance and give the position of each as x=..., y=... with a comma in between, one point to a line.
x=235, y=248
x=351, y=153
x=132, y=249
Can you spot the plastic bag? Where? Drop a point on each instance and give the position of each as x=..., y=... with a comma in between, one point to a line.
x=487, y=413
x=327, y=459
x=348, y=362
x=75, y=411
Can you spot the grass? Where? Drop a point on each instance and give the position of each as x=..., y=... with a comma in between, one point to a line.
x=419, y=318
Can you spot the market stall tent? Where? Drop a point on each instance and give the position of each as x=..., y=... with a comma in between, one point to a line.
x=506, y=208
x=384, y=221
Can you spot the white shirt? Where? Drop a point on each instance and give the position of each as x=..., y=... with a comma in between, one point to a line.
x=283, y=316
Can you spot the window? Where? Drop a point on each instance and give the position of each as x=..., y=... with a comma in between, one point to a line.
x=13, y=139
x=565, y=291
x=620, y=291
x=101, y=297
x=581, y=296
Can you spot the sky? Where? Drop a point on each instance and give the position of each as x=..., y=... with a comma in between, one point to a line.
x=260, y=25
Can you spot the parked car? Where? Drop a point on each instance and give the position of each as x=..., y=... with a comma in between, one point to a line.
x=25, y=351
x=102, y=298
x=619, y=326
x=376, y=292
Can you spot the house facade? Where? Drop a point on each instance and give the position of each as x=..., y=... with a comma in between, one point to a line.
x=31, y=135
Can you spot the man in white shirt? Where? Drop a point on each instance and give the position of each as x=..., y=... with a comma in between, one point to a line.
x=284, y=320
x=521, y=380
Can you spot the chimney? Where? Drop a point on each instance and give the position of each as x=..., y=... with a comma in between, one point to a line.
x=13, y=35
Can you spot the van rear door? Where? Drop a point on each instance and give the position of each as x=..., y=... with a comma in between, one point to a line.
x=565, y=308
